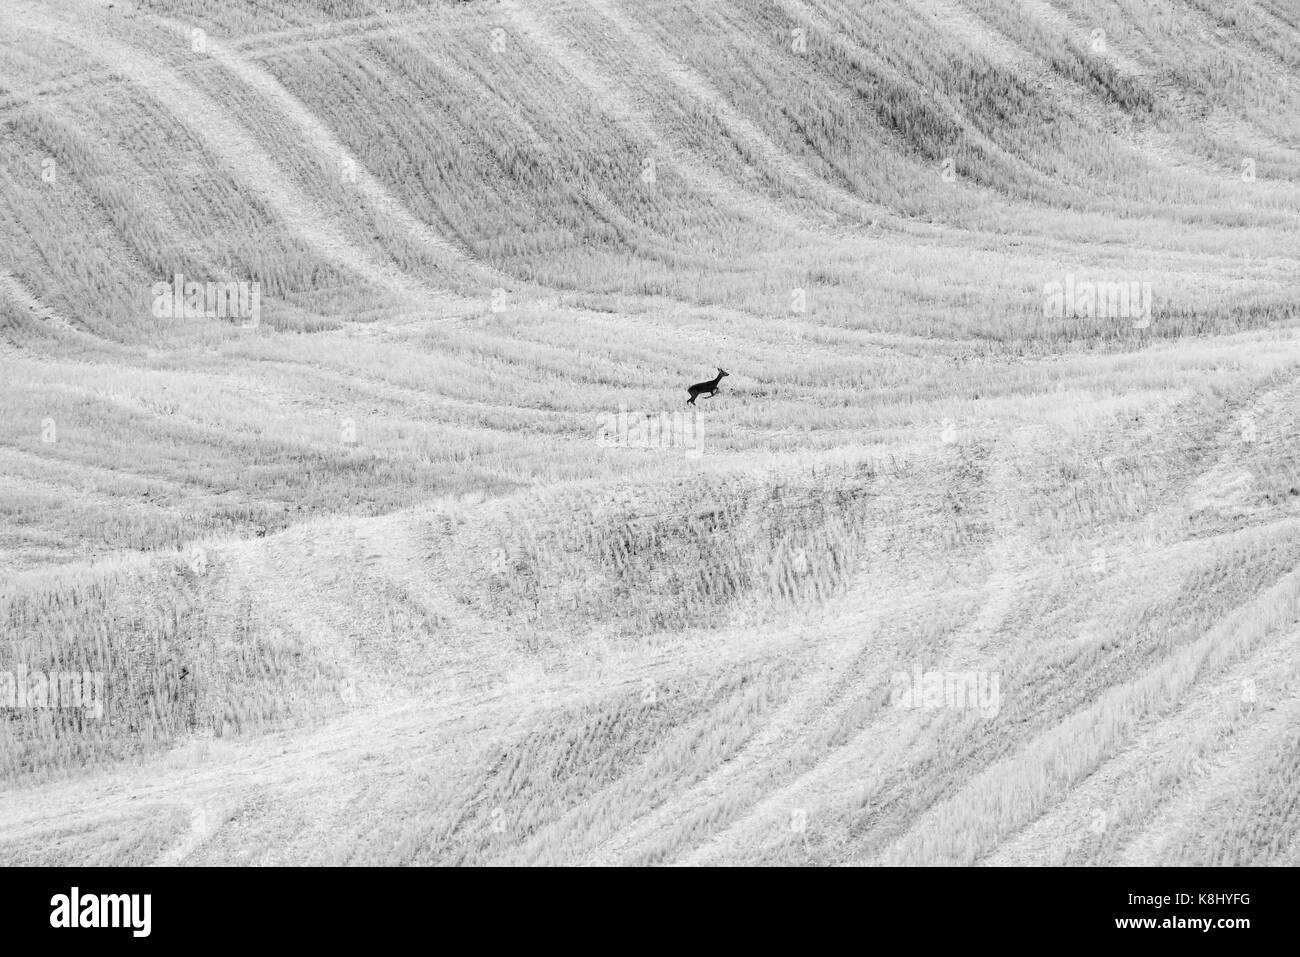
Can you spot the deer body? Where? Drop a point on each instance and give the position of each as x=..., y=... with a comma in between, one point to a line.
x=711, y=387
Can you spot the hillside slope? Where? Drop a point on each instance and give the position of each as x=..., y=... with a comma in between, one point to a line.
x=372, y=578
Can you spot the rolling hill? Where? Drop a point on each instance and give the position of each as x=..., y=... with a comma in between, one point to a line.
x=984, y=554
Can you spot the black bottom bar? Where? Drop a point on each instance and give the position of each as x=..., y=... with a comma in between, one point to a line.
x=931, y=907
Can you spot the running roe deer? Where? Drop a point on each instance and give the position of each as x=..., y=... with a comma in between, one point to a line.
x=711, y=387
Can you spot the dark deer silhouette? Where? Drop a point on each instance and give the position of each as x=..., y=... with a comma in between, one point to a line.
x=711, y=387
